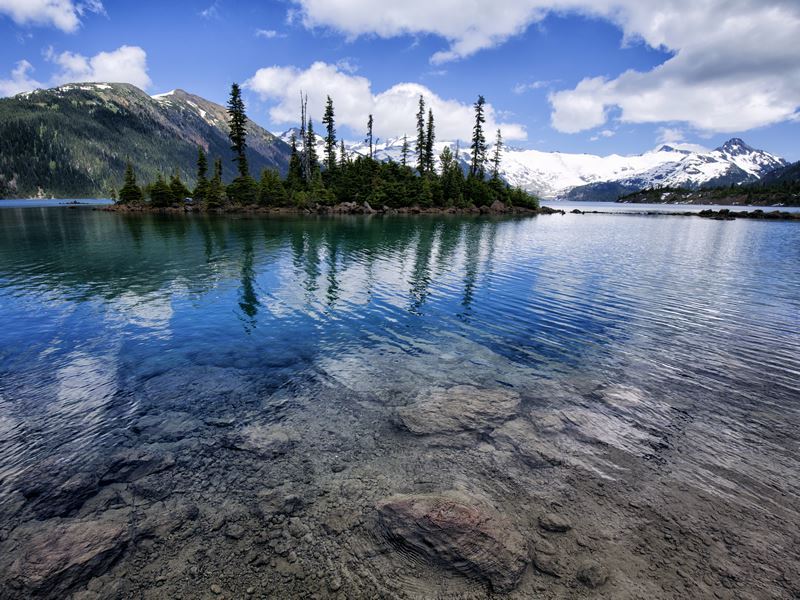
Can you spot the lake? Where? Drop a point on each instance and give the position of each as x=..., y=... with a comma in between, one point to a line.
x=256, y=407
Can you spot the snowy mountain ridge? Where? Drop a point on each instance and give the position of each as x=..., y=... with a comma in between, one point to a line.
x=587, y=176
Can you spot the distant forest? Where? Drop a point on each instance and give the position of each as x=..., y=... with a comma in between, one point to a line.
x=337, y=176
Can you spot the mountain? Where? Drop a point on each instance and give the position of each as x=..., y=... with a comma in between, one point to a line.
x=790, y=174
x=74, y=140
x=589, y=177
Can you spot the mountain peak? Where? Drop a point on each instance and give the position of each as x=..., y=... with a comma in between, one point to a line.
x=736, y=146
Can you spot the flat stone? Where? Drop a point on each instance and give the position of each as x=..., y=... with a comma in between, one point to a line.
x=264, y=441
x=458, y=409
x=133, y=464
x=592, y=574
x=458, y=533
x=554, y=523
x=54, y=558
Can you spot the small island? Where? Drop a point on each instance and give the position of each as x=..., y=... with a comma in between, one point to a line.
x=339, y=182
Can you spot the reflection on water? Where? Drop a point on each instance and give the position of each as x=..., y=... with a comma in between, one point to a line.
x=661, y=355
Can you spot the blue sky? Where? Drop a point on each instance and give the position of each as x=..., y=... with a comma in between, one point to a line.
x=559, y=75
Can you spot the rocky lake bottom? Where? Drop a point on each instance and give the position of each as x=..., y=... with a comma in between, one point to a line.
x=411, y=409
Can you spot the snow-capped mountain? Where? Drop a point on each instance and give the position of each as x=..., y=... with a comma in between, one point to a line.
x=587, y=176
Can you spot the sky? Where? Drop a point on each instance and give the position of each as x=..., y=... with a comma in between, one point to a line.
x=593, y=76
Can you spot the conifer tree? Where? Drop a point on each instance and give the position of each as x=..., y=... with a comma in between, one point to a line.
x=312, y=161
x=477, y=167
x=271, y=191
x=421, y=136
x=160, y=193
x=369, y=139
x=178, y=189
x=130, y=193
x=430, y=136
x=295, y=178
x=496, y=156
x=237, y=121
x=342, y=155
x=330, y=136
x=215, y=194
x=202, y=175
x=404, y=151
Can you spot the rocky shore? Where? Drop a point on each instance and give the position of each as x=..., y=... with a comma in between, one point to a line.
x=724, y=214
x=322, y=490
x=344, y=208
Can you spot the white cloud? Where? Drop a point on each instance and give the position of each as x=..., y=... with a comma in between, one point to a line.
x=735, y=64
x=20, y=80
x=126, y=64
x=269, y=34
x=394, y=109
x=670, y=135
x=211, y=12
x=606, y=133
x=62, y=14
x=521, y=88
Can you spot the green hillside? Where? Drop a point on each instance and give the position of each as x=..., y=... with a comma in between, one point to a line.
x=74, y=141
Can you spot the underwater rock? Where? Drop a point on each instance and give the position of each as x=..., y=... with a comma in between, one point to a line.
x=592, y=574
x=133, y=464
x=458, y=533
x=53, y=560
x=264, y=441
x=554, y=523
x=458, y=409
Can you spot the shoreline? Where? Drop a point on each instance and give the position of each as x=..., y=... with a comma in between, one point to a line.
x=723, y=214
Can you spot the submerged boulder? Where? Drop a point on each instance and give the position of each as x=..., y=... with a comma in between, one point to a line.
x=458, y=533
x=458, y=409
x=50, y=560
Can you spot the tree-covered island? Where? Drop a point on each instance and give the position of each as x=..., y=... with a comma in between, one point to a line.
x=339, y=181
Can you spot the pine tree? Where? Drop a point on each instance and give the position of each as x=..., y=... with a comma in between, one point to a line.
x=477, y=167
x=498, y=148
x=295, y=181
x=421, y=136
x=130, y=193
x=404, y=151
x=179, y=190
x=342, y=155
x=311, y=152
x=202, y=176
x=160, y=193
x=271, y=191
x=430, y=136
x=369, y=135
x=237, y=121
x=330, y=137
x=215, y=195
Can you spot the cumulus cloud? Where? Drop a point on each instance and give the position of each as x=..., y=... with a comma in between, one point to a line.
x=20, y=80
x=62, y=14
x=126, y=64
x=394, y=109
x=735, y=64
x=606, y=133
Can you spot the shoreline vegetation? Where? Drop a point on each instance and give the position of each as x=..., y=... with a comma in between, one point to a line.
x=337, y=181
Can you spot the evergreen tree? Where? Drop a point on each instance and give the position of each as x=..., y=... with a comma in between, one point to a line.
x=369, y=135
x=271, y=191
x=130, y=193
x=498, y=148
x=343, y=160
x=421, y=136
x=330, y=137
x=215, y=194
x=295, y=181
x=477, y=167
x=312, y=161
x=430, y=136
x=404, y=151
x=202, y=176
x=237, y=121
x=179, y=190
x=160, y=193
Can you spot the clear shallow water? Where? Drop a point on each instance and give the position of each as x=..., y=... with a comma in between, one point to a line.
x=644, y=349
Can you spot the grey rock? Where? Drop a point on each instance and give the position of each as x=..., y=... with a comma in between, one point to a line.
x=592, y=574
x=458, y=409
x=456, y=532
x=554, y=523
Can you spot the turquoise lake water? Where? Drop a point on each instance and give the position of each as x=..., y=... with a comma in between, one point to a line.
x=170, y=333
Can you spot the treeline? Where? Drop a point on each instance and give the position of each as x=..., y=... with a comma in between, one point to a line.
x=785, y=192
x=338, y=176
